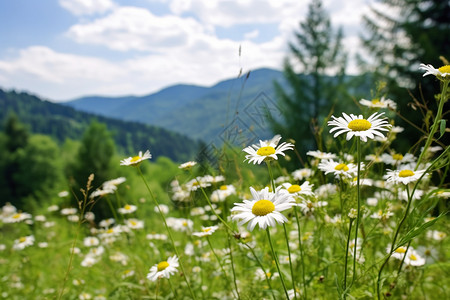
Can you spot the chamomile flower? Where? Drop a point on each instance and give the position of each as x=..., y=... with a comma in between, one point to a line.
x=187, y=165
x=134, y=223
x=266, y=150
x=127, y=209
x=321, y=155
x=379, y=103
x=404, y=176
x=301, y=174
x=358, y=126
x=397, y=158
x=206, y=231
x=23, y=242
x=338, y=169
x=296, y=190
x=164, y=269
x=136, y=160
x=264, y=209
x=440, y=73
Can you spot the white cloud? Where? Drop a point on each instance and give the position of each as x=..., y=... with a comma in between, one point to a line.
x=252, y=34
x=132, y=28
x=228, y=13
x=87, y=7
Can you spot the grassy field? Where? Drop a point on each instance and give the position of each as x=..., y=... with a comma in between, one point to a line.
x=359, y=222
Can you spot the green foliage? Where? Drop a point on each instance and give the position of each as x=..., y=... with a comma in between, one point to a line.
x=317, y=51
x=62, y=122
x=397, y=43
x=30, y=165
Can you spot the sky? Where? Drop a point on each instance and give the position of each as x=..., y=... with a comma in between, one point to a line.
x=64, y=49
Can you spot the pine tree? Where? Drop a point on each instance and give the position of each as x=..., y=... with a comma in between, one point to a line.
x=401, y=34
x=317, y=53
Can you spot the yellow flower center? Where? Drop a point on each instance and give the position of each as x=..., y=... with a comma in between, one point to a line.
x=110, y=230
x=309, y=205
x=294, y=188
x=405, y=173
x=375, y=101
x=266, y=151
x=162, y=266
x=341, y=167
x=206, y=229
x=135, y=159
x=223, y=187
x=16, y=216
x=133, y=223
x=359, y=125
x=400, y=250
x=263, y=207
x=127, y=207
x=22, y=239
x=397, y=156
x=444, y=69
x=413, y=257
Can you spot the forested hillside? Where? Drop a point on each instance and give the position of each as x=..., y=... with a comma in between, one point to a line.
x=62, y=122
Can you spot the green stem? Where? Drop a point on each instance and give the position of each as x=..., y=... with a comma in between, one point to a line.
x=358, y=217
x=218, y=260
x=393, y=243
x=232, y=266
x=275, y=258
x=346, y=259
x=262, y=268
x=168, y=231
x=300, y=244
x=290, y=260
x=436, y=121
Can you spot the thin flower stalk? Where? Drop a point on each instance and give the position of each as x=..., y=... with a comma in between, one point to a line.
x=168, y=231
x=346, y=258
x=275, y=258
x=285, y=234
x=300, y=245
x=437, y=120
x=358, y=216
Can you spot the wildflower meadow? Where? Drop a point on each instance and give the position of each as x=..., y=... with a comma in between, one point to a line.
x=356, y=220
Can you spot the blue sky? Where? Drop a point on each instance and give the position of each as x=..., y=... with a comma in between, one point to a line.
x=63, y=49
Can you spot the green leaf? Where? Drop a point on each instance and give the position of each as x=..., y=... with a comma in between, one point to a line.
x=416, y=231
x=442, y=127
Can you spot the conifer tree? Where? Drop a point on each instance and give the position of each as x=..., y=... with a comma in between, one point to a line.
x=317, y=54
x=400, y=35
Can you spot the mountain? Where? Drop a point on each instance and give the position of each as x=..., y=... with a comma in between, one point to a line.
x=213, y=114
x=61, y=122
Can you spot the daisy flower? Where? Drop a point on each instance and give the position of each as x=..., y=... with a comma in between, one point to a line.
x=321, y=155
x=301, y=174
x=264, y=209
x=308, y=207
x=127, y=209
x=379, y=103
x=338, y=169
x=440, y=73
x=17, y=217
x=299, y=190
x=266, y=150
x=222, y=193
x=397, y=158
x=136, y=160
x=134, y=223
x=358, y=126
x=404, y=176
x=91, y=241
x=187, y=165
x=206, y=231
x=23, y=242
x=164, y=269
